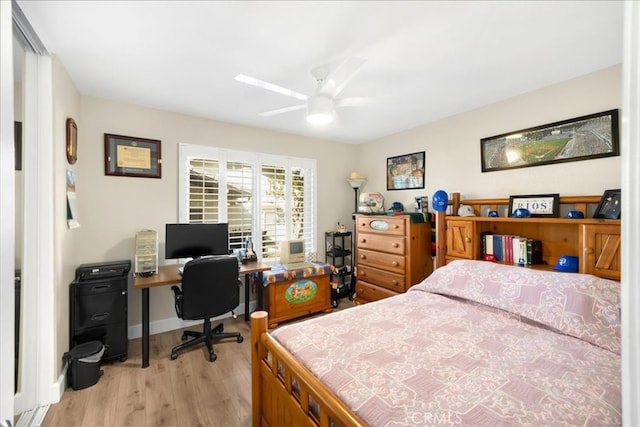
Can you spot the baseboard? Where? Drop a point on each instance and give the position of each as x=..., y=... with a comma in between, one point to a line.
x=171, y=324
x=33, y=417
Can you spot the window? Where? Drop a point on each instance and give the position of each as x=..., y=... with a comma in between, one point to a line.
x=266, y=198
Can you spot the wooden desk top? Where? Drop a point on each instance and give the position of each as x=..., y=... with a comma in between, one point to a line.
x=169, y=275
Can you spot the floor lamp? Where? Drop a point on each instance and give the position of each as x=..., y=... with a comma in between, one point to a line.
x=356, y=183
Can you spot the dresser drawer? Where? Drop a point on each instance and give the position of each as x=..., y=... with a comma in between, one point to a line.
x=366, y=292
x=392, y=281
x=385, y=261
x=382, y=225
x=378, y=242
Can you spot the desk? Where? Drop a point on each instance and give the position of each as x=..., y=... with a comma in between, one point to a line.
x=169, y=275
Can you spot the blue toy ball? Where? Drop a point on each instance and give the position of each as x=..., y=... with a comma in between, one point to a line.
x=440, y=200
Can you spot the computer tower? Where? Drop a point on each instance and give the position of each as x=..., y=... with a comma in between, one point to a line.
x=98, y=306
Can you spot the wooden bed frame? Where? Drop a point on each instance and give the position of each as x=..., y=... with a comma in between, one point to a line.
x=284, y=393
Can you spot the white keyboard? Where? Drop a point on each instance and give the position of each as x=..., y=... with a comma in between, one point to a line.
x=296, y=265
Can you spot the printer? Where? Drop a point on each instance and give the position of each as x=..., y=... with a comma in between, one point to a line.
x=103, y=270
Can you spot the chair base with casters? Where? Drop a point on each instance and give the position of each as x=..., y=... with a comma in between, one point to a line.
x=210, y=288
x=207, y=336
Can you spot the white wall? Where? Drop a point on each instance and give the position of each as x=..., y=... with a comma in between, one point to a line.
x=112, y=209
x=66, y=104
x=452, y=145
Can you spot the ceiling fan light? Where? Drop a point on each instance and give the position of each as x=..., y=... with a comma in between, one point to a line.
x=320, y=110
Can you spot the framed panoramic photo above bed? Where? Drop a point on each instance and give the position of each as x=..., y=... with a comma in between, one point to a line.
x=581, y=138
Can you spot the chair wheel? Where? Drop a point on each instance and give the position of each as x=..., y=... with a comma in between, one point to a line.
x=174, y=356
x=212, y=357
x=240, y=339
x=123, y=359
x=184, y=337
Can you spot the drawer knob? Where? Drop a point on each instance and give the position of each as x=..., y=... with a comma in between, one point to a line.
x=363, y=256
x=395, y=245
x=467, y=239
x=363, y=240
x=394, y=282
x=396, y=226
x=395, y=263
x=588, y=250
x=363, y=273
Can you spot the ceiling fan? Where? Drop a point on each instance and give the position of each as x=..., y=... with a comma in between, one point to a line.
x=321, y=105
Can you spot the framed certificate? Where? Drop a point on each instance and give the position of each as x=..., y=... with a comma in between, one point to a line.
x=131, y=156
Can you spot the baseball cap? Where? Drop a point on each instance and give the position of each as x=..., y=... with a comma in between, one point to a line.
x=521, y=213
x=466, y=210
x=575, y=214
x=567, y=263
x=396, y=207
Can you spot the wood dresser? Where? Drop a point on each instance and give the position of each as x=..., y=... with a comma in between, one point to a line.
x=393, y=253
x=596, y=242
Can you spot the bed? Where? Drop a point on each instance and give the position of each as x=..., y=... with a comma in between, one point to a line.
x=476, y=343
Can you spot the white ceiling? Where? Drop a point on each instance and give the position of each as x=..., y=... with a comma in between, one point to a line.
x=434, y=59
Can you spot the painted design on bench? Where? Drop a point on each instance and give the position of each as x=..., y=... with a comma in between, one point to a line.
x=301, y=291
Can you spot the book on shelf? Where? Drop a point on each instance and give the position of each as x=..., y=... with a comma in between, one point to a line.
x=486, y=240
x=497, y=247
x=511, y=249
x=534, y=252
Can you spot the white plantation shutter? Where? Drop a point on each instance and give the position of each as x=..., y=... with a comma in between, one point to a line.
x=267, y=198
x=273, y=209
x=203, y=191
x=239, y=203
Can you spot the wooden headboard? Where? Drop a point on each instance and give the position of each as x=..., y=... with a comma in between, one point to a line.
x=595, y=241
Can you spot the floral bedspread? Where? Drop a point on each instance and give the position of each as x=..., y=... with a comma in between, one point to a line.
x=476, y=343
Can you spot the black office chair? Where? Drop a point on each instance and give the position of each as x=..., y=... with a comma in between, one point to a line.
x=210, y=288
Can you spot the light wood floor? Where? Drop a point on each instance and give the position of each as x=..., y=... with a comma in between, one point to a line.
x=189, y=391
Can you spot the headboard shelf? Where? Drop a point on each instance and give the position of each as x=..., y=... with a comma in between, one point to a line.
x=596, y=242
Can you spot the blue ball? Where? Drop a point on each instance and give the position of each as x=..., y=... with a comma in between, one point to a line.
x=440, y=201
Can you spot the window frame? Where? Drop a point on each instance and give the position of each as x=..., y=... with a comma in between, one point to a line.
x=188, y=152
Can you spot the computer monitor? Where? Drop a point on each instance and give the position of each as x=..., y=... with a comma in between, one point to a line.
x=196, y=240
x=292, y=251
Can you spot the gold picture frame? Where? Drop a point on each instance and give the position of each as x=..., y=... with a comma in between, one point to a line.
x=72, y=141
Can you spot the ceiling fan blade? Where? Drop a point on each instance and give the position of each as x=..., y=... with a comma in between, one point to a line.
x=282, y=110
x=338, y=78
x=270, y=86
x=355, y=101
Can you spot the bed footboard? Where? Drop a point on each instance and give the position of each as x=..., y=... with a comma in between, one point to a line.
x=283, y=392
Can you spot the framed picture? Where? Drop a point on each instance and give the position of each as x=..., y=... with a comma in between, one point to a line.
x=609, y=206
x=405, y=172
x=130, y=156
x=72, y=141
x=539, y=205
x=581, y=138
